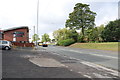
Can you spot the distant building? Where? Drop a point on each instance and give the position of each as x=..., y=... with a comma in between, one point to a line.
x=17, y=34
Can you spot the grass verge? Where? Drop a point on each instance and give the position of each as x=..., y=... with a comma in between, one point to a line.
x=111, y=46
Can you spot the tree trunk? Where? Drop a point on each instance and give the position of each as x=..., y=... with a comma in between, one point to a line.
x=83, y=34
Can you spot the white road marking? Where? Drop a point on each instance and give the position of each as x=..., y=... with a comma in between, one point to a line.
x=91, y=54
x=105, y=56
x=73, y=58
x=87, y=76
x=113, y=72
x=100, y=76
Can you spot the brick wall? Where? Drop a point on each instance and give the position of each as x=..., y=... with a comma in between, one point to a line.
x=23, y=44
x=8, y=35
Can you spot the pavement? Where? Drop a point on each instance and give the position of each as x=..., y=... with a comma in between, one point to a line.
x=43, y=63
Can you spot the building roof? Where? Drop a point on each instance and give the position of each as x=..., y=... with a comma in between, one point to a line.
x=14, y=28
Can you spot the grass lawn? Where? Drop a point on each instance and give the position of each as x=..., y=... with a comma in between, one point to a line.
x=112, y=46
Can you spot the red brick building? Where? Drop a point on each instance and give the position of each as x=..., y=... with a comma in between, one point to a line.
x=17, y=34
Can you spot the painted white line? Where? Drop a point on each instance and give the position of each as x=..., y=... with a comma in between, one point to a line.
x=105, y=56
x=100, y=76
x=113, y=72
x=98, y=67
x=73, y=58
x=87, y=76
x=91, y=54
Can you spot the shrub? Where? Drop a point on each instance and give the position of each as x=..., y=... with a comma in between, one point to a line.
x=66, y=42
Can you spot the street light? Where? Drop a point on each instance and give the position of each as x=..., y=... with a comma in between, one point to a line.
x=37, y=22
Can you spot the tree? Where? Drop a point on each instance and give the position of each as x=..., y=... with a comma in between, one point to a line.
x=53, y=40
x=73, y=35
x=82, y=17
x=94, y=33
x=35, y=37
x=111, y=31
x=63, y=34
x=100, y=29
x=45, y=38
x=89, y=34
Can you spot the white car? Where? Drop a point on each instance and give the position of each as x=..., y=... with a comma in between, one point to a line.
x=6, y=45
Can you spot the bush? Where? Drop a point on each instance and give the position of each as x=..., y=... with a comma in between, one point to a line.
x=66, y=42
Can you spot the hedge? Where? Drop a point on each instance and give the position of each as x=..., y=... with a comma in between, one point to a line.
x=66, y=42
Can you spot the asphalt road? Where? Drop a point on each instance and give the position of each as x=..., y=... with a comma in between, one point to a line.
x=105, y=58
x=51, y=62
x=16, y=64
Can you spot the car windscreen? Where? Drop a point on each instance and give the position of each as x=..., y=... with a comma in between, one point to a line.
x=4, y=42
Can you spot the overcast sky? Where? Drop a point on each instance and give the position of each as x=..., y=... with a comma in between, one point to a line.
x=52, y=13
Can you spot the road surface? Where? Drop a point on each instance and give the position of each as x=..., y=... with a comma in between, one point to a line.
x=17, y=64
x=106, y=58
x=52, y=62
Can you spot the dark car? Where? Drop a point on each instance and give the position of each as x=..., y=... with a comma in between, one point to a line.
x=44, y=45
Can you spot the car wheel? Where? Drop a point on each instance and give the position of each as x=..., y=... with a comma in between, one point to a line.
x=7, y=48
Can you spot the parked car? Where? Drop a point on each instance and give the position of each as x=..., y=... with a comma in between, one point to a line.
x=40, y=43
x=44, y=45
x=5, y=45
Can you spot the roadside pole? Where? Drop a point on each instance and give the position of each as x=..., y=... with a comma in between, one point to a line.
x=37, y=22
x=34, y=34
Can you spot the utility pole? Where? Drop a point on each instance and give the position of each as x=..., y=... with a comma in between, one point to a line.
x=34, y=33
x=37, y=22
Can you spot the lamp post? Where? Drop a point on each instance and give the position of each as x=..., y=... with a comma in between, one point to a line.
x=37, y=22
x=34, y=34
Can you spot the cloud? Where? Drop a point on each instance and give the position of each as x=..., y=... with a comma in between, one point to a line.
x=52, y=13
x=105, y=11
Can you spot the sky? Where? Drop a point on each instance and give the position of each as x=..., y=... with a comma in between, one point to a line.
x=52, y=13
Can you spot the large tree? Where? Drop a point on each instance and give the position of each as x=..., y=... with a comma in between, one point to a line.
x=45, y=38
x=82, y=17
x=111, y=31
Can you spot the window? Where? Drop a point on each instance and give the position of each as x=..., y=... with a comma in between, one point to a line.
x=14, y=39
x=18, y=34
x=4, y=42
